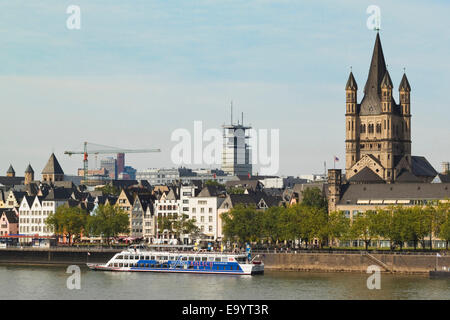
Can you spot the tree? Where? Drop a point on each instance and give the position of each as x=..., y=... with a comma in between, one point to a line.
x=182, y=225
x=364, y=227
x=272, y=223
x=67, y=221
x=108, y=221
x=444, y=233
x=235, y=190
x=213, y=183
x=308, y=222
x=313, y=197
x=338, y=226
x=109, y=189
x=422, y=218
x=242, y=224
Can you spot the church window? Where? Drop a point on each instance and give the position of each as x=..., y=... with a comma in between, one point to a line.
x=363, y=128
x=378, y=127
x=384, y=124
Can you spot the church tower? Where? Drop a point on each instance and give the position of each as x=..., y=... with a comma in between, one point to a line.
x=52, y=171
x=29, y=174
x=378, y=130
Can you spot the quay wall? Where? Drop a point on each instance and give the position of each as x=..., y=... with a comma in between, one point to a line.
x=356, y=262
x=302, y=261
x=54, y=256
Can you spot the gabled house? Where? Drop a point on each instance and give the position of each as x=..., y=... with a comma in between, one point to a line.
x=9, y=222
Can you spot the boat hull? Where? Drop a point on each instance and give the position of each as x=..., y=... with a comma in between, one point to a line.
x=257, y=269
x=439, y=274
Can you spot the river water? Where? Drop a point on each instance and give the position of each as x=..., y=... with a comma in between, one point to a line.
x=50, y=282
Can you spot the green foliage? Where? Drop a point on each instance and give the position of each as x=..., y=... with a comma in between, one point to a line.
x=109, y=189
x=213, y=183
x=338, y=225
x=70, y=221
x=309, y=221
x=364, y=227
x=313, y=197
x=108, y=221
x=242, y=224
x=178, y=226
x=235, y=190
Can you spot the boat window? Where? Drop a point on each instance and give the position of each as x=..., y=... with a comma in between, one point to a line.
x=191, y=258
x=217, y=259
x=147, y=258
x=125, y=257
x=184, y=258
x=165, y=258
x=136, y=257
x=120, y=264
x=119, y=257
x=197, y=258
x=191, y=267
x=152, y=258
x=204, y=258
x=141, y=258
x=224, y=259
x=158, y=257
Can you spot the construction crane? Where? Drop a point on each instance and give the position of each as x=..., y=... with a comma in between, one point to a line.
x=111, y=150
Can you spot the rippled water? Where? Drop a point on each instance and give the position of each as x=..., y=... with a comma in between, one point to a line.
x=49, y=282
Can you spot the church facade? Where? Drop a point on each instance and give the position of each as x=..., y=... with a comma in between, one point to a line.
x=378, y=129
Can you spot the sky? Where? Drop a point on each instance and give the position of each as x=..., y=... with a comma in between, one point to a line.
x=138, y=70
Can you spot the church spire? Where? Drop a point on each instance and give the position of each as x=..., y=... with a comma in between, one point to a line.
x=377, y=70
x=386, y=82
x=404, y=84
x=351, y=83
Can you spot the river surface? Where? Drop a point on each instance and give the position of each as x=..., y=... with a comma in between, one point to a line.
x=50, y=282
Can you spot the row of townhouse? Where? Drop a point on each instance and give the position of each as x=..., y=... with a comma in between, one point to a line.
x=204, y=206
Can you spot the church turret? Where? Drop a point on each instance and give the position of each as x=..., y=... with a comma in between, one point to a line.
x=10, y=173
x=352, y=124
x=29, y=174
x=404, y=92
x=386, y=92
x=405, y=104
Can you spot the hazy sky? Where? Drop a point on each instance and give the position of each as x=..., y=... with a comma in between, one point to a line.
x=138, y=70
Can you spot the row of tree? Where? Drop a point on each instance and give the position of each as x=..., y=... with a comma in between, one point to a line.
x=309, y=222
x=73, y=222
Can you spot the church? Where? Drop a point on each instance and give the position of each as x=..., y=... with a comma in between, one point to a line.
x=378, y=129
x=380, y=170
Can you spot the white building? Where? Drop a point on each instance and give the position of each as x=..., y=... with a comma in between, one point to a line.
x=33, y=213
x=168, y=205
x=204, y=211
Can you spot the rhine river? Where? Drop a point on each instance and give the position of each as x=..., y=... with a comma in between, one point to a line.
x=50, y=282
